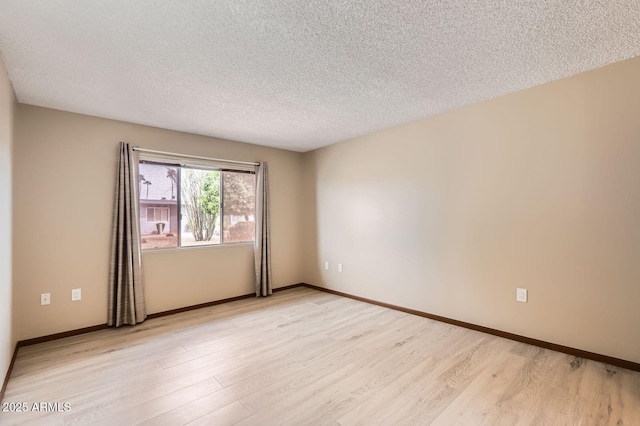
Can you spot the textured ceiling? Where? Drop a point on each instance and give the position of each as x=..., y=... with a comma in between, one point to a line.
x=299, y=74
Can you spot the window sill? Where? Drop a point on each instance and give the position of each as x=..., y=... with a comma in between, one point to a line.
x=204, y=247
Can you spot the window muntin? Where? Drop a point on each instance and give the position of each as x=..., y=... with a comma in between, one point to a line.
x=183, y=206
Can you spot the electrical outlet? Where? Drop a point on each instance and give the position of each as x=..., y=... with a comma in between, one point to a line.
x=339, y=267
x=45, y=299
x=326, y=265
x=521, y=295
x=76, y=294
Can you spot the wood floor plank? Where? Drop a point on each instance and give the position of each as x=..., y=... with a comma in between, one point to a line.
x=438, y=393
x=304, y=357
x=229, y=415
x=296, y=401
x=483, y=393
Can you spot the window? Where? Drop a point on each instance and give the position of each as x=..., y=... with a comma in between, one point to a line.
x=157, y=214
x=238, y=206
x=184, y=206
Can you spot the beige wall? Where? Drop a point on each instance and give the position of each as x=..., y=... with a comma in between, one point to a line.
x=7, y=106
x=64, y=176
x=539, y=189
x=448, y=215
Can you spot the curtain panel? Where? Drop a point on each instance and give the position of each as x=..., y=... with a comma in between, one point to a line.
x=262, y=246
x=126, y=282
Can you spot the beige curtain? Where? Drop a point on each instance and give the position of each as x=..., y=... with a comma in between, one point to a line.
x=262, y=246
x=126, y=285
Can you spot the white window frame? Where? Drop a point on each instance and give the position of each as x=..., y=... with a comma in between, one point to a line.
x=198, y=164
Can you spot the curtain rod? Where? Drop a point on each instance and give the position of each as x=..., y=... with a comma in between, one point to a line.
x=173, y=154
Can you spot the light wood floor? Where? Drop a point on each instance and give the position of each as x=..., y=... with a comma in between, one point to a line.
x=304, y=357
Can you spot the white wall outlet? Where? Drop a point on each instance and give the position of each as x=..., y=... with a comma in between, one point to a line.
x=326, y=265
x=45, y=299
x=76, y=294
x=521, y=295
x=339, y=267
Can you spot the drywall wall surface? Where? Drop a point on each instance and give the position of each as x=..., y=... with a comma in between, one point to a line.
x=539, y=189
x=7, y=107
x=65, y=166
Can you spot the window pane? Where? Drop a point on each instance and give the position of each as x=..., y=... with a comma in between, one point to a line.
x=200, y=195
x=239, y=206
x=158, y=199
